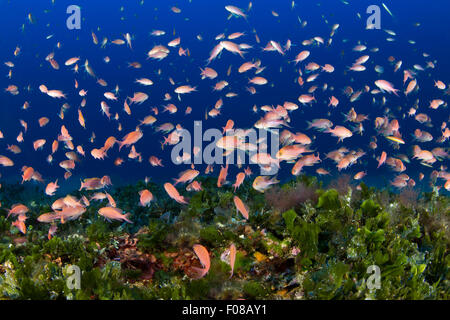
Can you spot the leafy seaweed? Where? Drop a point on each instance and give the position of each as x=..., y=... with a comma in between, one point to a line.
x=319, y=248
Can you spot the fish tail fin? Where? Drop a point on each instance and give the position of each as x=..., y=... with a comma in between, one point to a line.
x=286, y=124
x=126, y=218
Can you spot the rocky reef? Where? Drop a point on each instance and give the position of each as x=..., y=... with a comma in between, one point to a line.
x=302, y=241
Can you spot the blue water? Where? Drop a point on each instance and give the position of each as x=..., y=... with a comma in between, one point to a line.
x=208, y=19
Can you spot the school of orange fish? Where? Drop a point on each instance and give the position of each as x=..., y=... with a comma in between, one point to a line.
x=296, y=146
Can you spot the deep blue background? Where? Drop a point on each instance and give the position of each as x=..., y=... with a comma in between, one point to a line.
x=208, y=19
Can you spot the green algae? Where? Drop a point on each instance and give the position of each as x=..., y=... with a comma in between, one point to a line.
x=318, y=249
x=154, y=238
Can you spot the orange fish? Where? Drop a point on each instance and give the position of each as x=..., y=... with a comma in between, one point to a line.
x=111, y=213
x=203, y=255
x=187, y=176
x=239, y=179
x=222, y=176
x=232, y=257
x=20, y=225
x=131, y=138
x=173, y=193
x=27, y=174
x=382, y=159
x=51, y=188
x=240, y=206
x=145, y=197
